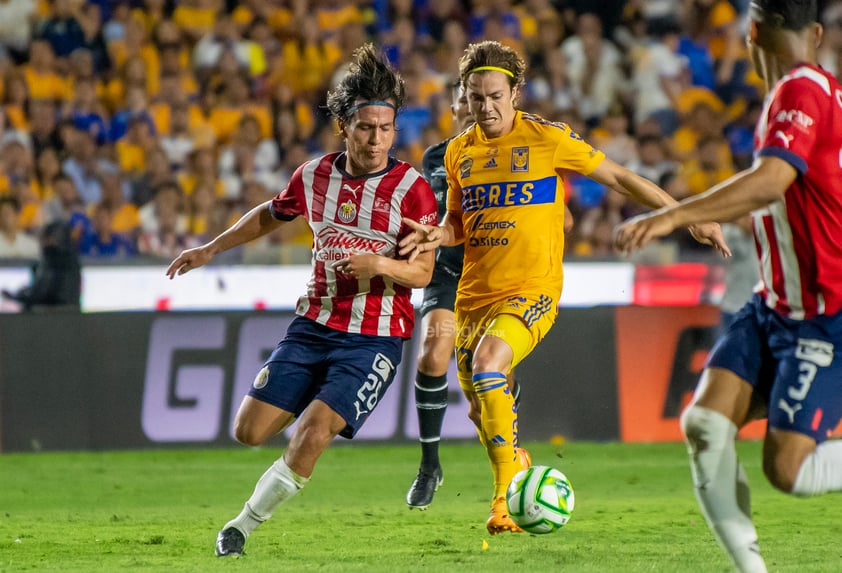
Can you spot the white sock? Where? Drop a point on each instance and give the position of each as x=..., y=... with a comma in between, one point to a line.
x=275, y=486
x=721, y=486
x=821, y=471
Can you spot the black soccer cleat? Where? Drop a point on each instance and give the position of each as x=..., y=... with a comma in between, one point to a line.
x=230, y=542
x=420, y=494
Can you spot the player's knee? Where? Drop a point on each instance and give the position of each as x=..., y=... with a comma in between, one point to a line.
x=781, y=470
x=434, y=362
x=246, y=434
x=692, y=427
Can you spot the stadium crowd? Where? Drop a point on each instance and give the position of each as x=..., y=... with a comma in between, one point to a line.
x=151, y=125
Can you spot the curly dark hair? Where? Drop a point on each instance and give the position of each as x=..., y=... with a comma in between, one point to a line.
x=494, y=54
x=370, y=78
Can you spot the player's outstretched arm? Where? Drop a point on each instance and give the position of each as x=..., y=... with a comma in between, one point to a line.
x=252, y=225
x=765, y=183
x=629, y=183
x=426, y=238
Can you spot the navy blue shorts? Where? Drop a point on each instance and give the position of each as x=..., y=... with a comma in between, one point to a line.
x=348, y=372
x=795, y=365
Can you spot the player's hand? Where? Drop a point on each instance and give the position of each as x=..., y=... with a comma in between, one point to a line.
x=639, y=231
x=360, y=266
x=711, y=234
x=189, y=260
x=424, y=238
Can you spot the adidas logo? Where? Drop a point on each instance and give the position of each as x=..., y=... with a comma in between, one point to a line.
x=498, y=441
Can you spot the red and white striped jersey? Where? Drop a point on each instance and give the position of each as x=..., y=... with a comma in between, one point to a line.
x=356, y=215
x=799, y=238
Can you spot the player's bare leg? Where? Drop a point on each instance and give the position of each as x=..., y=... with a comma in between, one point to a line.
x=317, y=427
x=722, y=405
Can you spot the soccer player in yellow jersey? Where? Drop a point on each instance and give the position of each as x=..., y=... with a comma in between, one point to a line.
x=506, y=204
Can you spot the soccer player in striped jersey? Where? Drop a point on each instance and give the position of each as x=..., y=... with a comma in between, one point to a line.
x=341, y=353
x=779, y=357
x=506, y=204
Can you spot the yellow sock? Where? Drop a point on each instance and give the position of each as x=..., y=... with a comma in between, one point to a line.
x=499, y=424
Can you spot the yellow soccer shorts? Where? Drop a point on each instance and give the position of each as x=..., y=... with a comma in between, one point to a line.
x=521, y=321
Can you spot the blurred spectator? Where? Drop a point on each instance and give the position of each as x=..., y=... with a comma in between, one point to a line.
x=16, y=162
x=136, y=108
x=44, y=131
x=701, y=113
x=196, y=17
x=232, y=103
x=547, y=87
x=248, y=157
x=202, y=208
x=86, y=113
x=169, y=237
x=593, y=68
x=84, y=166
x=16, y=27
x=14, y=243
x=131, y=149
x=652, y=161
x=157, y=173
x=495, y=20
x=715, y=25
x=708, y=167
x=15, y=101
x=612, y=136
x=200, y=167
x=100, y=240
x=47, y=167
x=595, y=226
x=115, y=29
x=657, y=77
x=80, y=66
x=740, y=135
x=179, y=142
x=224, y=38
x=125, y=215
x=307, y=61
x=168, y=198
x=62, y=30
x=151, y=13
x=90, y=20
x=65, y=202
x=434, y=17
x=31, y=218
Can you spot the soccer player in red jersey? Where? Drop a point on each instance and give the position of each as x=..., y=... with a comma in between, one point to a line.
x=341, y=353
x=778, y=359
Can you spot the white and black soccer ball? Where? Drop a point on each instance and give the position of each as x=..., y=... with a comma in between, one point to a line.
x=540, y=499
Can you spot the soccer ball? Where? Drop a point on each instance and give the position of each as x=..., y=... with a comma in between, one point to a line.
x=540, y=499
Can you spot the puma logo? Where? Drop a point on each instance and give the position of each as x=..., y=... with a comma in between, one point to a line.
x=786, y=138
x=346, y=186
x=790, y=410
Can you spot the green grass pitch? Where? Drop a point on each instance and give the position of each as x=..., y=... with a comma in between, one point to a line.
x=160, y=511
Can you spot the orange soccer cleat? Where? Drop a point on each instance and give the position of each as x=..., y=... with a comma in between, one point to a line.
x=523, y=457
x=500, y=520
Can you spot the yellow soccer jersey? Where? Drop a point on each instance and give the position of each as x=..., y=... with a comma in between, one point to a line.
x=509, y=193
